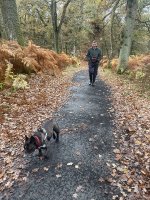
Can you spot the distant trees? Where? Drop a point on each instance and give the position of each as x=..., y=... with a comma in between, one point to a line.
x=71, y=25
x=57, y=25
x=35, y=22
x=9, y=23
x=44, y=19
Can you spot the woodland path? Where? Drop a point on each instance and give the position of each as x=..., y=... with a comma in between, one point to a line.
x=85, y=143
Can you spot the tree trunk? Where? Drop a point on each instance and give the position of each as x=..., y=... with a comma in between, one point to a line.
x=56, y=38
x=54, y=23
x=11, y=21
x=127, y=34
x=111, y=27
x=1, y=25
x=56, y=27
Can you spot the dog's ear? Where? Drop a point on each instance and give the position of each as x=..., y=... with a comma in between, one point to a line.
x=32, y=139
x=26, y=138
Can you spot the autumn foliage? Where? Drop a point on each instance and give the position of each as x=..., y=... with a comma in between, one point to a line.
x=135, y=62
x=32, y=59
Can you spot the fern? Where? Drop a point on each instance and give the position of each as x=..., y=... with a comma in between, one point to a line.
x=139, y=74
x=1, y=86
x=8, y=73
x=20, y=82
x=17, y=81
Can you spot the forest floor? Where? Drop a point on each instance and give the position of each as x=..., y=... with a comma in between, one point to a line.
x=132, y=132
x=103, y=150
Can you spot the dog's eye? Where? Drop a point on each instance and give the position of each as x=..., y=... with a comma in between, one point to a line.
x=26, y=146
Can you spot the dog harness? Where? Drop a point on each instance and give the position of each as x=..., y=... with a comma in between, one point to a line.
x=39, y=142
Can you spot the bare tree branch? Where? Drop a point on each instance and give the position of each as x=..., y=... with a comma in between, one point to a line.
x=147, y=24
x=63, y=14
x=111, y=27
x=41, y=18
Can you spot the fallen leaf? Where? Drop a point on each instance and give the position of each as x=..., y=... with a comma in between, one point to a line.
x=25, y=179
x=59, y=166
x=70, y=164
x=130, y=181
x=46, y=169
x=8, y=184
x=136, y=189
x=75, y=195
x=115, y=197
x=95, y=147
x=101, y=180
x=35, y=170
x=108, y=164
x=91, y=140
x=79, y=188
x=118, y=157
x=2, y=173
x=99, y=155
x=110, y=180
x=116, y=151
x=58, y=175
x=78, y=153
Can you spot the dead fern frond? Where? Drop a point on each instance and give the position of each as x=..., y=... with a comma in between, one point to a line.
x=8, y=73
x=31, y=59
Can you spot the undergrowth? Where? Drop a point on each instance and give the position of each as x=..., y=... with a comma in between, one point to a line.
x=139, y=82
x=137, y=74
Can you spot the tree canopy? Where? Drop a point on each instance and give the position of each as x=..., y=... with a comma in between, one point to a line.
x=70, y=26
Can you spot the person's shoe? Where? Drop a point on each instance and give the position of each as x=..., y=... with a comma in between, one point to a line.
x=90, y=83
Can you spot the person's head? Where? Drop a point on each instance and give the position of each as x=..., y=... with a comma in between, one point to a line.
x=94, y=44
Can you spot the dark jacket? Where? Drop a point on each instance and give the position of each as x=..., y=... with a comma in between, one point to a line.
x=94, y=56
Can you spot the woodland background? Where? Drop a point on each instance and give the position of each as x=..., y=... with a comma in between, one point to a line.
x=75, y=24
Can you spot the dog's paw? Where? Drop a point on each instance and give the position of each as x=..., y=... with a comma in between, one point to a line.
x=54, y=136
x=57, y=140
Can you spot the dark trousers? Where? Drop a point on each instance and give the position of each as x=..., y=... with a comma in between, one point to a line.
x=93, y=73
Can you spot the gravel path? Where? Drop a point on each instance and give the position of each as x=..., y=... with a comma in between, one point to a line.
x=78, y=161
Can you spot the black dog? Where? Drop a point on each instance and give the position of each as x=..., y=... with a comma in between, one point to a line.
x=39, y=139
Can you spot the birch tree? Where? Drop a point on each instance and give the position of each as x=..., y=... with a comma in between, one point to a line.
x=127, y=33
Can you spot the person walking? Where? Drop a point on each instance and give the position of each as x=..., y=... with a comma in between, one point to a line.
x=94, y=55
